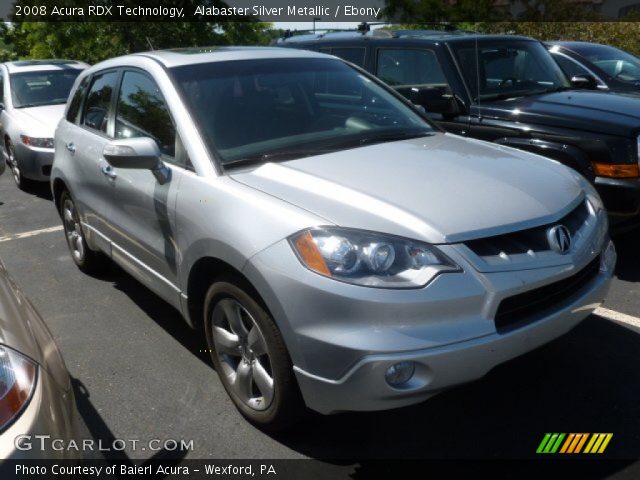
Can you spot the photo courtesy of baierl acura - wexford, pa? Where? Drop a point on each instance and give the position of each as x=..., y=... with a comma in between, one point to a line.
x=337, y=249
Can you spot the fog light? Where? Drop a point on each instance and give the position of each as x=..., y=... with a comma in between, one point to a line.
x=400, y=373
x=608, y=258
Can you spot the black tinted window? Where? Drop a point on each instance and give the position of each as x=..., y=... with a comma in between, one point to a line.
x=508, y=68
x=290, y=107
x=96, y=111
x=32, y=89
x=399, y=67
x=76, y=101
x=353, y=55
x=142, y=112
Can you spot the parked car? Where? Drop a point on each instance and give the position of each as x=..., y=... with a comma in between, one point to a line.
x=509, y=90
x=338, y=249
x=33, y=94
x=36, y=397
x=610, y=68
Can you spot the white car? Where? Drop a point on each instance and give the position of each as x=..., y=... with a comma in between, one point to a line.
x=33, y=94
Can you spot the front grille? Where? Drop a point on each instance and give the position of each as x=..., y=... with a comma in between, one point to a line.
x=529, y=306
x=534, y=239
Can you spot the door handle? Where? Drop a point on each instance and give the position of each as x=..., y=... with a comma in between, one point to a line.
x=109, y=171
x=71, y=147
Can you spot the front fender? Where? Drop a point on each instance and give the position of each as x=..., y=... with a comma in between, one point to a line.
x=568, y=155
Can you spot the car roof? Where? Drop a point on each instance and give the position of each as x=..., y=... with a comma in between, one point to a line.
x=19, y=66
x=188, y=56
x=393, y=36
x=572, y=45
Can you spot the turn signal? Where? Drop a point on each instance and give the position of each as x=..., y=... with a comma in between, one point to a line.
x=616, y=170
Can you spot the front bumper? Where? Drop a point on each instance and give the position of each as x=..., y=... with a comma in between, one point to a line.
x=364, y=386
x=51, y=412
x=34, y=163
x=342, y=338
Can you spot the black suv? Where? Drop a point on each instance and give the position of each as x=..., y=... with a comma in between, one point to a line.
x=509, y=90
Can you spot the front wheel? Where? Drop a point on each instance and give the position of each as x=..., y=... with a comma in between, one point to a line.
x=21, y=182
x=250, y=356
x=86, y=259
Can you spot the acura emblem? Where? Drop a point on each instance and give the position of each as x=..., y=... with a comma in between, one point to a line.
x=559, y=239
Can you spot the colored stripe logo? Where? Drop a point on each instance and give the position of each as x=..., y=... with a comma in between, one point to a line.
x=574, y=442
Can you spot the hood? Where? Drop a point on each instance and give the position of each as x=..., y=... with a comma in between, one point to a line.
x=601, y=112
x=39, y=121
x=23, y=330
x=441, y=189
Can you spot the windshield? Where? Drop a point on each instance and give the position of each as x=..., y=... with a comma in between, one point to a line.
x=264, y=110
x=33, y=89
x=615, y=63
x=508, y=69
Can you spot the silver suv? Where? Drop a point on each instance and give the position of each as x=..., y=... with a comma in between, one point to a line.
x=335, y=247
x=33, y=94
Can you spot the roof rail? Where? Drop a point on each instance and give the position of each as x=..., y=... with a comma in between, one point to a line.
x=365, y=29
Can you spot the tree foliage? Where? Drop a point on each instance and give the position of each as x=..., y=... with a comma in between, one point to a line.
x=624, y=35
x=93, y=41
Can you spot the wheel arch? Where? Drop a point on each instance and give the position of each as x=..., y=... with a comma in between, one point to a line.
x=202, y=274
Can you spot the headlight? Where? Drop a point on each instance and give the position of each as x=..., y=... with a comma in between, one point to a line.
x=17, y=381
x=37, y=142
x=369, y=259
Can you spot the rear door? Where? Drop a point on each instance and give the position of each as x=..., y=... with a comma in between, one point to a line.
x=141, y=214
x=80, y=141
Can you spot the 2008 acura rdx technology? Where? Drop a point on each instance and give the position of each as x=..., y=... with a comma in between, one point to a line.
x=338, y=250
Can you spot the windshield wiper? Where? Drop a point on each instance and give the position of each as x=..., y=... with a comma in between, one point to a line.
x=557, y=89
x=333, y=147
x=30, y=105
x=392, y=137
x=275, y=156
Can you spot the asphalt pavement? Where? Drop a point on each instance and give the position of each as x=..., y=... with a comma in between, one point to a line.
x=140, y=372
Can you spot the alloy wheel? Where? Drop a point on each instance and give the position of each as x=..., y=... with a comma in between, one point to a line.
x=73, y=230
x=13, y=165
x=243, y=354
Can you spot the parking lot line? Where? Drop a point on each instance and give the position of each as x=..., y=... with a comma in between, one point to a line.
x=32, y=233
x=617, y=316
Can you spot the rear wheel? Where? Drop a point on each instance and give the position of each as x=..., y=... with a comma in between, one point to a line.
x=250, y=356
x=86, y=259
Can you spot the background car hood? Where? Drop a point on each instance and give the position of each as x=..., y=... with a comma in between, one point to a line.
x=603, y=112
x=39, y=121
x=23, y=330
x=441, y=188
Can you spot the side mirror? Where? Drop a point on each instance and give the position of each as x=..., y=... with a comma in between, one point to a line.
x=434, y=100
x=1, y=106
x=586, y=82
x=140, y=153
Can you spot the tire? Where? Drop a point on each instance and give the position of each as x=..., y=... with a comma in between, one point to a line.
x=87, y=260
x=256, y=354
x=21, y=182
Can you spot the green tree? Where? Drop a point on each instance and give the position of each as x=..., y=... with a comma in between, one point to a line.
x=92, y=41
x=429, y=11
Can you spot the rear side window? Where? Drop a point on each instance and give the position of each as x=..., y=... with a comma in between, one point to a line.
x=98, y=103
x=142, y=112
x=354, y=55
x=76, y=101
x=1, y=87
x=398, y=67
